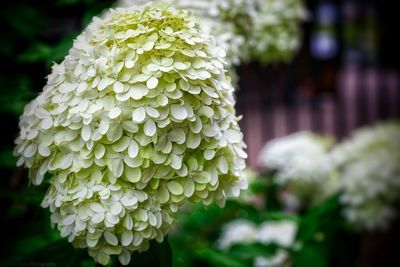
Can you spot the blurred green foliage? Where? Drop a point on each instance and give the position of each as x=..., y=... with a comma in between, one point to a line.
x=35, y=34
x=322, y=233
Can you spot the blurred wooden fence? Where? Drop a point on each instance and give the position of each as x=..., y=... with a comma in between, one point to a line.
x=275, y=106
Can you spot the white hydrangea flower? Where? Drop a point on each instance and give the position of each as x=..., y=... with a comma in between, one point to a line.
x=275, y=32
x=279, y=259
x=281, y=233
x=136, y=120
x=260, y=30
x=217, y=17
x=237, y=232
x=301, y=164
x=370, y=175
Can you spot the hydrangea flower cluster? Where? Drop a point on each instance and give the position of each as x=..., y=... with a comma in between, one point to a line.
x=138, y=119
x=243, y=231
x=370, y=170
x=275, y=31
x=260, y=30
x=301, y=164
x=281, y=233
x=215, y=17
x=237, y=232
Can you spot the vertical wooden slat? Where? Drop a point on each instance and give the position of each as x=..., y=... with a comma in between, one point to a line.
x=393, y=92
x=371, y=91
x=304, y=116
x=363, y=97
x=280, y=123
x=328, y=109
x=347, y=94
x=383, y=95
x=254, y=138
x=360, y=98
x=253, y=121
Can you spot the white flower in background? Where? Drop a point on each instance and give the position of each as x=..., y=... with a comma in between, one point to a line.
x=277, y=260
x=260, y=30
x=370, y=175
x=301, y=164
x=281, y=233
x=136, y=120
x=237, y=232
x=275, y=30
x=219, y=18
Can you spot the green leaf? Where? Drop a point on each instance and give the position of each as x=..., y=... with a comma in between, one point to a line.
x=7, y=159
x=277, y=216
x=216, y=258
x=37, y=52
x=325, y=217
x=41, y=52
x=158, y=255
x=315, y=255
x=17, y=93
x=317, y=233
x=248, y=252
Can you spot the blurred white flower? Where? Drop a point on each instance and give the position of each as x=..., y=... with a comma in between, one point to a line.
x=275, y=30
x=216, y=17
x=301, y=164
x=259, y=30
x=137, y=119
x=277, y=260
x=237, y=232
x=370, y=175
x=282, y=233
